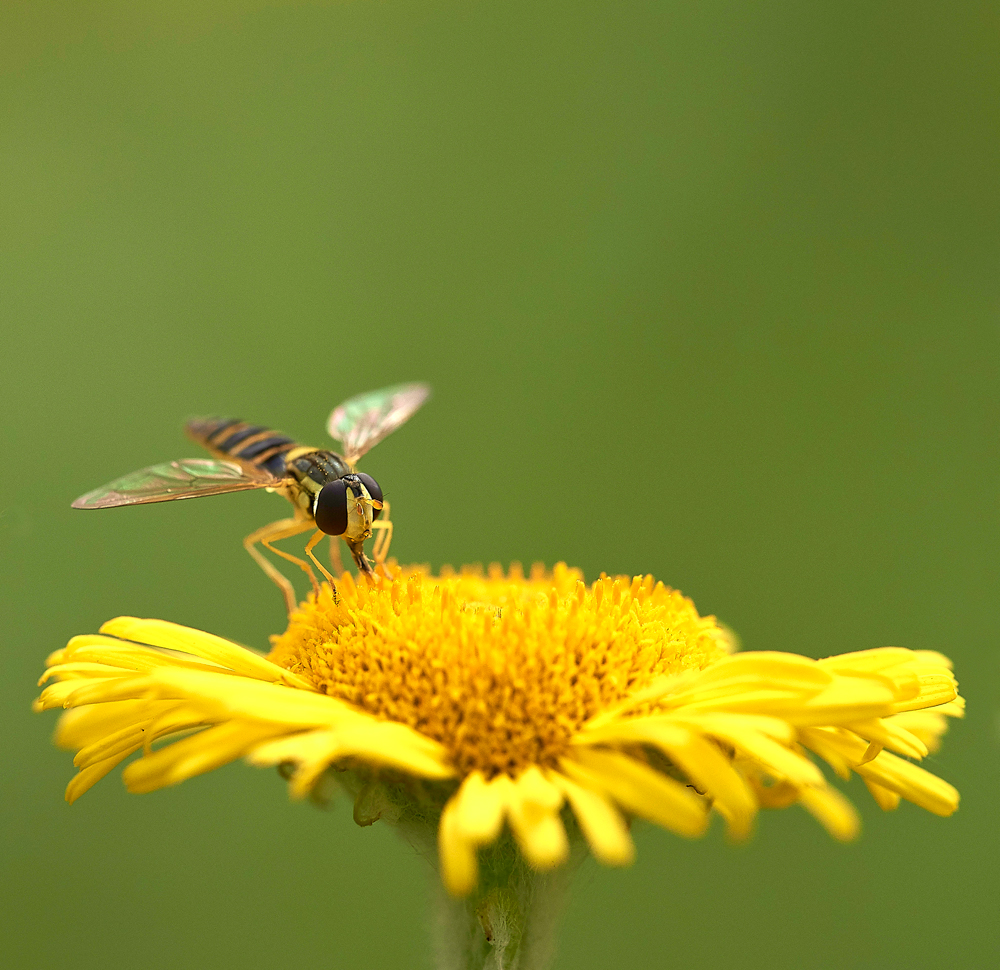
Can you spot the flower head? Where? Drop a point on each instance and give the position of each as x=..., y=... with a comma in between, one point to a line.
x=477, y=704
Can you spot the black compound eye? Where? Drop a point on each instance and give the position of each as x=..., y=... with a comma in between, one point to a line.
x=330, y=511
x=374, y=490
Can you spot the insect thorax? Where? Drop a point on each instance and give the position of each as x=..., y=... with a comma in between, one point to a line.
x=312, y=469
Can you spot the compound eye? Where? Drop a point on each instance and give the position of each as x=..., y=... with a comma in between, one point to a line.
x=330, y=511
x=374, y=490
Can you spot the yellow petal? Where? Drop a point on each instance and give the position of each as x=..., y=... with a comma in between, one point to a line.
x=841, y=750
x=173, y=636
x=60, y=694
x=846, y=699
x=699, y=759
x=600, y=822
x=867, y=661
x=771, y=727
x=80, y=726
x=128, y=687
x=130, y=737
x=302, y=747
x=377, y=743
x=912, y=782
x=779, y=760
x=834, y=812
x=890, y=734
x=459, y=867
x=312, y=752
x=887, y=800
x=532, y=805
x=82, y=669
x=935, y=689
x=90, y=776
x=919, y=677
x=131, y=656
x=873, y=750
x=158, y=724
x=227, y=695
x=928, y=725
x=534, y=789
x=658, y=689
x=305, y=778
x=479, y=808
x=393, y=746
x=843, y=698
x=767, y=667
x=638, y=789
x=195, y=755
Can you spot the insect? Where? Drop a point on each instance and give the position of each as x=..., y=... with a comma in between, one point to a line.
x=327, y=493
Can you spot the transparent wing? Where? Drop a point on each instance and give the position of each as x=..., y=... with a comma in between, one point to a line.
x=185, y=478
x=363, y=421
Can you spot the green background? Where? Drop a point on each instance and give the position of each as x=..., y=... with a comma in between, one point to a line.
x=706, y=289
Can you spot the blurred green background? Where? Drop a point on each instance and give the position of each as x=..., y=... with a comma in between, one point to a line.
x=704, y=289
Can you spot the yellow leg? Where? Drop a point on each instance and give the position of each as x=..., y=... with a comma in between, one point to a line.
x=383, y=525
x=282, y=529
x=310, y=545
x=335, y=561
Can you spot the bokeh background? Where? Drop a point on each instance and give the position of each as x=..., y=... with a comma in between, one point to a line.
x=706, y=289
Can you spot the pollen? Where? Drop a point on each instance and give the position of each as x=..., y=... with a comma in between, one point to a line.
x=501, y=669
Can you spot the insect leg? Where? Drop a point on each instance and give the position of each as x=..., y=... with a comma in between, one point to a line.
x=301, y=563
x=310, y=545
x=267, y=534
x=380, y=549
x=383, y=524
x=335, y=561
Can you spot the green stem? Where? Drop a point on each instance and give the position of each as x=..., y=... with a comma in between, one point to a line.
x=510, y=922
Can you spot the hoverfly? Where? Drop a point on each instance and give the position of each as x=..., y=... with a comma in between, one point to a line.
x=323, y=486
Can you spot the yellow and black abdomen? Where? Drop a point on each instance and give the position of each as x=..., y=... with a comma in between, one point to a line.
x=252, y=444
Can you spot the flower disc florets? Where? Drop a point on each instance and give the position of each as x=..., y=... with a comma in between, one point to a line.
x=502, y=670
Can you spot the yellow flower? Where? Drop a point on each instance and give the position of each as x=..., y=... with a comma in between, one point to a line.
x=477, y=705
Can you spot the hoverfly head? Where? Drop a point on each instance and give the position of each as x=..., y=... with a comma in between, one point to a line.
x=348, y=506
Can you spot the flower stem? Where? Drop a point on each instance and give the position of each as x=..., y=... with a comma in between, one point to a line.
x=509, y=923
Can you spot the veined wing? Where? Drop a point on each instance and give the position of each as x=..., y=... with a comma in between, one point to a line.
x=185, y=478
x=362, y=422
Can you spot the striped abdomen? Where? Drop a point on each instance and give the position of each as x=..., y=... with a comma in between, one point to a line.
x=250, y=443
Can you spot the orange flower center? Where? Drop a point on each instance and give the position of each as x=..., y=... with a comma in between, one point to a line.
x=500, y=669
